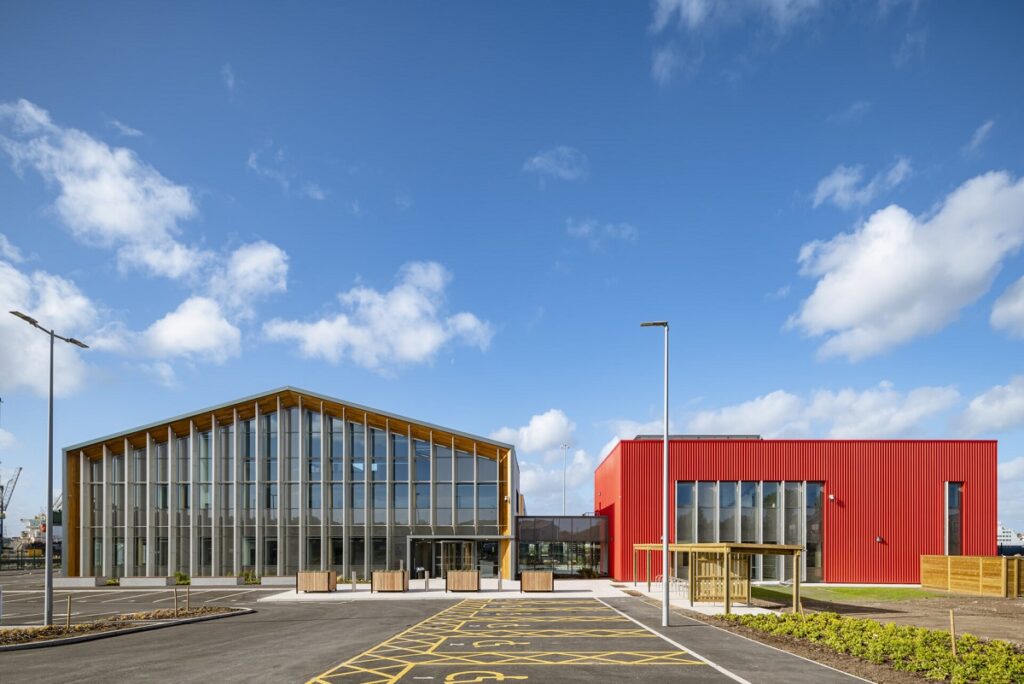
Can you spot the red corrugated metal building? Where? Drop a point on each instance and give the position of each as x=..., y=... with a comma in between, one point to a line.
x=872, y=507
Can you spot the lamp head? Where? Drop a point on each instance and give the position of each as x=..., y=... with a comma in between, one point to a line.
x=78, y=343
x=654, y=324
x=25, y=317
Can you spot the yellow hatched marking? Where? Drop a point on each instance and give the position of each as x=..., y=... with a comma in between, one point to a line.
x=392, y=659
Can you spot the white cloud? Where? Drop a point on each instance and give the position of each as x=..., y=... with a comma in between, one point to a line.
x=696, y=14
x=562, y=163
x=163, y=373
x=24, y=351
x=995, y=409
x=980, y=135
x=845, y=186
x=596, y=233
x=542, y=485
x=880, y=411
x=852, y=114
x=1008, y=310
x=774, y=414
x=911, y=48
x=8, y=251
x=7, y=440
x=108, y=197
x=252, y=271
x=126, y=130
x=1012, y=470
x=314, y=191
x=667, y=62
x=544, y=432
x=897, y=276
x=271, y=162
x=227, y=75
x=379, y=329
x=876, y=412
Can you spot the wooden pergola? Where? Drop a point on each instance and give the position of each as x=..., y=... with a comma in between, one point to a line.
x=708, y=565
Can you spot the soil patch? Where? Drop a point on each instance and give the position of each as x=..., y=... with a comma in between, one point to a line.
x=23, y=635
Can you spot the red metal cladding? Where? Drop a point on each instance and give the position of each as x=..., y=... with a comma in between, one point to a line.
x=888, y=489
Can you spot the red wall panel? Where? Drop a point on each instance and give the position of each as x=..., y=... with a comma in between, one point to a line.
x=883, y=488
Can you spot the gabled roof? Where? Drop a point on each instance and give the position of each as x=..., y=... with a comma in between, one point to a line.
x=287, y=393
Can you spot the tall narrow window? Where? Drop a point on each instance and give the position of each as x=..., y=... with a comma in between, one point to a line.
x=727, y=511
x=399, y=457
x=748, y=511
x=313, y=445
x=707, y=499
x=684, y=512
x=357, y=454
x=422, y=460
x=378, y=454
x=954, y=518
x=813, y=531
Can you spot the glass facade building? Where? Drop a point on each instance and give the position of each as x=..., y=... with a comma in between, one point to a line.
x=570, y=546
x=285, y=481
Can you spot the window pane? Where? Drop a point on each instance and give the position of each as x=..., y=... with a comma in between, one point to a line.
x=378, y=454
x=684, y=512
x=464, y=466
x=813, y=527
x=706, y=501
x=793, y=516
x=399, y=457
x=442, y=463
x=357, y=497
x=727, y=511
x=486, y=469
x=748, y=512
x=954, y=519
x=356, y=450
x=337, y=449
x=422, y=459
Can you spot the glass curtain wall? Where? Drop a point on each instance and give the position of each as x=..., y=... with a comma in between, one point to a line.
x=754, y=512
x=954, y=518
x=567, y=545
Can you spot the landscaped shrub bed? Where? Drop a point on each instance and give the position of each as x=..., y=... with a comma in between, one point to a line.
x=912, y=649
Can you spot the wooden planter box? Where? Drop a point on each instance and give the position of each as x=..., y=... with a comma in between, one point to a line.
x=389, y=580
x=316, y=581
x=537, y=580
x=462, y=580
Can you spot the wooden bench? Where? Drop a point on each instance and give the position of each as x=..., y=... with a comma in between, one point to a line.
x=389, y=580
x=537, y=580
x=462, y=580
x=319, y=580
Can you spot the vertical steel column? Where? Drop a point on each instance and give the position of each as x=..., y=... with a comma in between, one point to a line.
x=367, y=501
x=150, y=509
x=389, y=494
x=83, y=517
x=281, y=436
x=172, y=502
x=236, y=503
x=325, y=522
x=433, y=492
x=194, y=548
x=303, y=482
x=259, y=502
x=108, y=514
x=215, y=504
x=346, y=488
x=130, y=557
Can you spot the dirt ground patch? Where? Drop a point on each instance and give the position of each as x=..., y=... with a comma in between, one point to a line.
x=13, y=635
x=985, y=617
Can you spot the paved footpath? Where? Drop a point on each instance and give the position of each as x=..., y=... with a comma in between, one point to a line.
x=567, y=640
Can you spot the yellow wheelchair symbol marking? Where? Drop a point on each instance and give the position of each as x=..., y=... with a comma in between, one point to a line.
x=499, y=642
x=481, y=676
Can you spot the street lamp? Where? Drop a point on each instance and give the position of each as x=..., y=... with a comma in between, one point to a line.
x=565, y=450
x=48, y=600
x=664, y=485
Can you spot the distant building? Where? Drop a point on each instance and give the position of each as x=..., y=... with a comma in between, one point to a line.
x=1005, y=536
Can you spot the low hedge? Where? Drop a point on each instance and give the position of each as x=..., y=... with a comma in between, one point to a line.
x=912, y=649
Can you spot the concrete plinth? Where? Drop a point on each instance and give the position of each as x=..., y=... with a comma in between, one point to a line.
x=147, y=581
x=78, y=582
x=218, y=581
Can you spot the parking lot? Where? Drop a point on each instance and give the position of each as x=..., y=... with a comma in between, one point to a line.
x=23, y=599
x=550, y=639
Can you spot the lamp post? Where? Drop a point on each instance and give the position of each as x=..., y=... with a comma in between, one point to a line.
x=565, y=450
x=664, y=485
x=48, y=595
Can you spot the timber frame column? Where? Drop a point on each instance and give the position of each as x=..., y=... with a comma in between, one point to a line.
x=150, y=509
x=215, y=504
x=346, y=493
x=108, y=515
x=236, y=499
x=260, y=500
x=367, y=500
x=172, y=502
x=389, y=478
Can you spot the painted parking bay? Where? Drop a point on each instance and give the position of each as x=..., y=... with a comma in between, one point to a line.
x=543, y=640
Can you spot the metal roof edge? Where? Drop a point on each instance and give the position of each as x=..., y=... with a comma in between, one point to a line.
x=278, y=390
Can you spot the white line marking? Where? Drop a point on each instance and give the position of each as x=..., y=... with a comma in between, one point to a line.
x=132, y=598
x=222, y=598
x=698, y=656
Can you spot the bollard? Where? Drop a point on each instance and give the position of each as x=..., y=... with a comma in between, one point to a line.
x=188, y=595
x=426, y=580
x=952, y=632
x=175, y=601
x=1, y=605
x=67, y=618
x=353, y=580
x=499, y=582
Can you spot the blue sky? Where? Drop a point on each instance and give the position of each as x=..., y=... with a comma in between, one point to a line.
x=461, y=212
